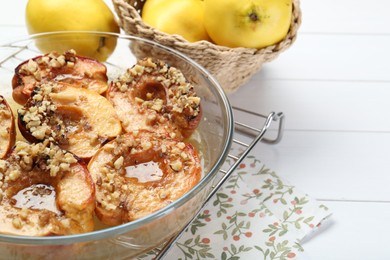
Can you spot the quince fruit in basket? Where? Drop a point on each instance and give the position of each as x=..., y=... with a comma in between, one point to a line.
x=182, y=17
x=231, y=23
x=248, y=23
x=67, y=15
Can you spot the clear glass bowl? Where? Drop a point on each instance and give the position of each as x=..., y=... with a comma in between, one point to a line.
x=214, y=137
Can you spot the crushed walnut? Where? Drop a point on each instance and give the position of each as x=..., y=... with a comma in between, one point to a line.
x=4, y=111
x=36, y=116
x=5, y=115
x=51, y=60
x=41, y=119
x=46, y=157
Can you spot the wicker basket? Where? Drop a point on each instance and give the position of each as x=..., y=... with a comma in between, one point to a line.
x=232, y=67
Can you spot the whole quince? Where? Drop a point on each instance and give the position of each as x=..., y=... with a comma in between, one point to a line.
x=69, y=15
x=182, y=17
x=247, y=23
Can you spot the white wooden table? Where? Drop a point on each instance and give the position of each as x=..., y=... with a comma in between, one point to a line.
x=333, y=85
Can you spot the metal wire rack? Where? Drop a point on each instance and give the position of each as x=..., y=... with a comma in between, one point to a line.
x=245, y=135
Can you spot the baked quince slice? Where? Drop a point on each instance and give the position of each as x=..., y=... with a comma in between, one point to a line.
x=154, y=96
x=141, y=172
x=80, y=71
x=44, y=191
x=79, y=120
x=7, y=128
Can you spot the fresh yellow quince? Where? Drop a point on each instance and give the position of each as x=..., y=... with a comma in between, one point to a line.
x=247, y=23
x=69, y=15
x=182, y=17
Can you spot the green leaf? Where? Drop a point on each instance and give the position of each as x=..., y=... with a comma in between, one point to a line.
x=197, y=239
x=308, y=219
x=188, y=241
x=297, y=225
x=260, y=249
x=234, y=249
x=247, y=249
x=188, y=255
x=223, y=256
x=283, y=232
x=224, y=226
x=248, y=225
x=193, y=229
x=222, y=195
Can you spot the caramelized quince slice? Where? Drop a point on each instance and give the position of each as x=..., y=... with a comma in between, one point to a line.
x=7, y=128
x=80, y=71
x=79, y=120
x=45, y=191
x=141, y=172
x=154, y=96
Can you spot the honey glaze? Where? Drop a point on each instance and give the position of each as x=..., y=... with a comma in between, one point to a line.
x=145, y=172
x=37, y=196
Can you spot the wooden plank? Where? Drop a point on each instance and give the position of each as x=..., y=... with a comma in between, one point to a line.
x=331, y=57
x=333, y=165
x=357, y=231
x=320, y=105
x=346, y=16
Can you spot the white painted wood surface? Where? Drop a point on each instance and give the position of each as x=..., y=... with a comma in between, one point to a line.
x=333, y=85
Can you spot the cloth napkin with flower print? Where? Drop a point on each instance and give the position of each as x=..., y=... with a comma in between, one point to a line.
x=256, y=215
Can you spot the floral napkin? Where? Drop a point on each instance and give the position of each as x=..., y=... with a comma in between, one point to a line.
x=256, y=215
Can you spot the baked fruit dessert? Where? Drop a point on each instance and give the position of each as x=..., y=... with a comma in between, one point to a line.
x=7, y=128
x=141, y=172
x=42, y=170
x=79, y=120
x=154, y=96
x=80, y=71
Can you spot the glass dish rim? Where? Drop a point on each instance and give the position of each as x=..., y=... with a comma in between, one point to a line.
x=126, y=227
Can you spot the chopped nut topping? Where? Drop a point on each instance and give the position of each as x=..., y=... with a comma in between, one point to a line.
x=118, y=163
x=176, y=165
x=17, y=223
x=44, y=156
x=53, y=60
